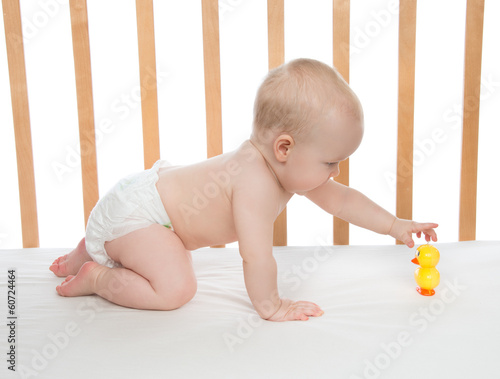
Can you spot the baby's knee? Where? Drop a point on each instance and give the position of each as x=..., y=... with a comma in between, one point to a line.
x=181, y=295
x=187, y=293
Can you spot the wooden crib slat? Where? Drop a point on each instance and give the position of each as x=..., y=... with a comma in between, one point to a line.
x=276, y=32
x=149, y=95
x=211, y=58
x=21, y=118
x=406, y=95
x=472, y=87
x=276, y=57
x=211, y=55
x=83, y=76
x=341, y=25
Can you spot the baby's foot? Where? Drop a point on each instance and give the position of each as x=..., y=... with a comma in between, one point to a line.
x=81, y=284
x=69, y=264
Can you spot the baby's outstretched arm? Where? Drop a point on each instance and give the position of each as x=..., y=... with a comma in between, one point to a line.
x=354, y=207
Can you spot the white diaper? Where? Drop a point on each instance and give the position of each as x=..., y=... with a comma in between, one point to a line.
x=133, y=203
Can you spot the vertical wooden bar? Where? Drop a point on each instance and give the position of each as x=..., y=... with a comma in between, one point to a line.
x=276, y=32
x=211, y=55
x=406, y=96
x=83, y=76
x=21, y=118
x=211, y=58
x=341, y=25
x=276, y=57
x=147, y=69
x=472, y=87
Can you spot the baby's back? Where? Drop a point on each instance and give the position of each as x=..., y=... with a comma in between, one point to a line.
x=198, y=197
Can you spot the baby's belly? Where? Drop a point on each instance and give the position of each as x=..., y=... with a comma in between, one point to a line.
x=204, y=230
x=199, y=219
x=213, y=234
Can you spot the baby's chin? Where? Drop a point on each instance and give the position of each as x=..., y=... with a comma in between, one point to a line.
x=300, y=193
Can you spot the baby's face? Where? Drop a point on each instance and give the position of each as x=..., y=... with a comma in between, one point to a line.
x=316, y=159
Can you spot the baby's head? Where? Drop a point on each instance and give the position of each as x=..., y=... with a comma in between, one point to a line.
x=306, y=120
x=295, y=97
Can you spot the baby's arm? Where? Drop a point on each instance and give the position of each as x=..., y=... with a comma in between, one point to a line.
x=254, y=214
x=354, y=207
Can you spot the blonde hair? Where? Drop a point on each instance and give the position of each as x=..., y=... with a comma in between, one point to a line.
x=297, y=95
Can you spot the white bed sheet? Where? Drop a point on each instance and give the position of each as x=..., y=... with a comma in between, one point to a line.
x=375, y=324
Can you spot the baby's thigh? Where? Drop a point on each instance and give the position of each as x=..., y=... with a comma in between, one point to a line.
x=157, y=254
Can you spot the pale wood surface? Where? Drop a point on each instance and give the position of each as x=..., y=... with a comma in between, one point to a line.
x=406, y=96
x=341, y=25
x=83, y=76
x=211, y=54
x=276, y=32
x=276, y=57
x=21, y=118
x=147, y=69
x=472, y=87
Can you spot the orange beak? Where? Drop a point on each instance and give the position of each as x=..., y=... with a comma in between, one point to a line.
x=414, y=260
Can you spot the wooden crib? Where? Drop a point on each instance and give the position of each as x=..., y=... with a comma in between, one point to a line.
x=375, y=323
x=145, y=28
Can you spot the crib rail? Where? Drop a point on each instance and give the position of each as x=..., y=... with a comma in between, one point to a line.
x=21, y=117
x=472, y=86
x=276, y=53
x=341, y=16
x=149, y=102
x=147, y=68
x=83, y=75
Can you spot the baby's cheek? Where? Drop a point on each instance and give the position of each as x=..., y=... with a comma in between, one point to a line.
x=315, y=180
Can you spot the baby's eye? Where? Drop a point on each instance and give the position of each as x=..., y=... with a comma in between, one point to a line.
x=331, y=163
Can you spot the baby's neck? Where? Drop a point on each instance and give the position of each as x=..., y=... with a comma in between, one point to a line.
x=266, y=159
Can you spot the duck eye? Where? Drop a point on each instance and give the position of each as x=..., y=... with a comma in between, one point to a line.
x=418, y=253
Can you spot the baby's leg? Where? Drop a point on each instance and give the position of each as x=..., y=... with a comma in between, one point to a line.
x=157, y=272
x=71, y=263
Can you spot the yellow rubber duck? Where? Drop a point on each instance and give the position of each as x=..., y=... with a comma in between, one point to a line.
x=426, y=276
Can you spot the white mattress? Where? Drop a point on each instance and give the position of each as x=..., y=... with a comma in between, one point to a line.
x=375, y=324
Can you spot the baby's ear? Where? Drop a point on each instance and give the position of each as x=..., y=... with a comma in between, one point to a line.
x=282, y=147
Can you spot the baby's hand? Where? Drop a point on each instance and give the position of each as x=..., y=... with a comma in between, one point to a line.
x=402, y=230
x=296, y=310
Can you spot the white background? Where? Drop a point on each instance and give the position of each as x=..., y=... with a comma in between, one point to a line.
x=243, y=38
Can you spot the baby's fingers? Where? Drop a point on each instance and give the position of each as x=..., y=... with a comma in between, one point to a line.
x=408, y=241
x=431, y=234
x=302, y=310
x=427, y=229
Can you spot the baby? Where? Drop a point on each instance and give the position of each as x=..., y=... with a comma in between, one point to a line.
x=136, y=252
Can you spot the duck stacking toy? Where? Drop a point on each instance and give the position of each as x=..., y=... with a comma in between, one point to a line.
x=426, y=276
